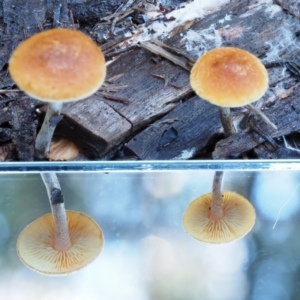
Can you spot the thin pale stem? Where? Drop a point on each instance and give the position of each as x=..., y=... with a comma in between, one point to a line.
x=226, y=121
x=262, y=115
x=216, y=211
x=44, y=137
x=62, y=239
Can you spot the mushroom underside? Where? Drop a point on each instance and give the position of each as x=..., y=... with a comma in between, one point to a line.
x=35, y=245
x=237, y=220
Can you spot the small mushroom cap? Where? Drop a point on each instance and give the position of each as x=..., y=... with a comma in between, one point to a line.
x=35, y=245
x=229, y=77
x=238, y=219
x=62, y=149
x=58, y=65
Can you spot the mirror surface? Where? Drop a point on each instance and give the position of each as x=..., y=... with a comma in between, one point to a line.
x=147, y=253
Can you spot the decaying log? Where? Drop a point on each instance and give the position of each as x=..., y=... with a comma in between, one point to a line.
x=286, y=115
x=4, y=116
x=291, y=6
x=93, y=10
x=113, y=122
x=6, y=152
x=265, y=151
x=180, y=134
x=242, y=29
x=96, y=132
x=23, y=128
x=5, y=135
x=27, y=17
x=158, y=90
x=24, y=18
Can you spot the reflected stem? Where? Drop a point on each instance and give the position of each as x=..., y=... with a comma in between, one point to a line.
x=62, y=240
x=216, y=211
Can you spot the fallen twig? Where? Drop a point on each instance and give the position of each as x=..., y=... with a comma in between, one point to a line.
x=162, y=52
x=173, y=50
x=262, y=115
x=8, y=91
x=161, y=77
x=113, y=78
x=115, y=98
x=167, y=82
x=113, y=88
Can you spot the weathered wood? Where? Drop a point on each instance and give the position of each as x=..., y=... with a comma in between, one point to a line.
x=291, y=6
x=61, y=14
x=243, y=31
x=5, y=135
x=24, y=17
x=93, y=10
x=5, y=51
x=6, y=152
x=148, y=97
x=265, y=151
x=285, y=114
x=4, y=116
x=23, y=128
x=180, y=134
x=98, y=125
x=97, y=133
x=84, y=9
x=1, y=10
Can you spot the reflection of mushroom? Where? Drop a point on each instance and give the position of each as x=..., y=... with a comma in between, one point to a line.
x=36, y=250
x=217, y=217
x=56, y=66
x=230, y=77
x=61, y=243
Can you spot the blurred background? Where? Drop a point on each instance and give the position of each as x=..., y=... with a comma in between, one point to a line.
x=147, y=254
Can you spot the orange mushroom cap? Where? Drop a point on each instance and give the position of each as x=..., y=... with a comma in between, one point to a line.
x=229, y=77
x=58, y=65
x=238, y=219
x=36, y=241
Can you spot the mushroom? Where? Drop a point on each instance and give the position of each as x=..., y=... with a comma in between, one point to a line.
x=230, y=77
x=62, y=149
x=56, y=66
x=219, y=217
x=62, y=242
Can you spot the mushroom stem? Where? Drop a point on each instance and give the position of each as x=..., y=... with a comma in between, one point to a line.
x=62, y=239
x=226, y=121
x=216, y=211
x=44, y=137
